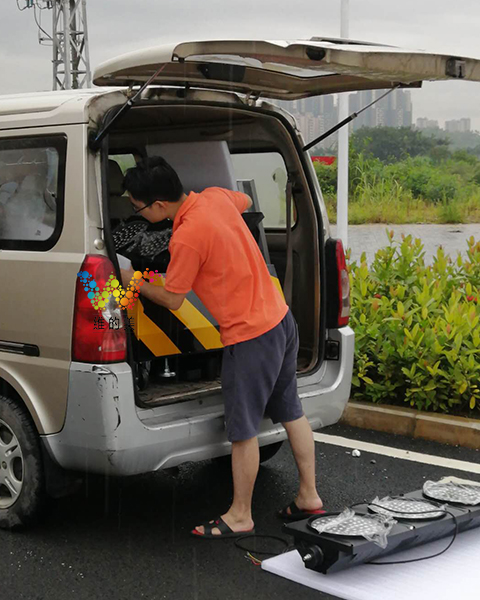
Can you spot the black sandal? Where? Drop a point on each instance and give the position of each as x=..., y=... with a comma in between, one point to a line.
x=225, y=531
x=297, y=514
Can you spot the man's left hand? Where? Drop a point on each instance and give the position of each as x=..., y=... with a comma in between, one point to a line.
x=127, y=276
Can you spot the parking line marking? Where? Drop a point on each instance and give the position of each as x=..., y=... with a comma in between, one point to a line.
x=428, y=459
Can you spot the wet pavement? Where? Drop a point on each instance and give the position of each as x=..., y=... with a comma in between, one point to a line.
x=129, y=539
x=369, y=238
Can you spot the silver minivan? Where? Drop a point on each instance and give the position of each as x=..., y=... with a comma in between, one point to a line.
x=89, y=385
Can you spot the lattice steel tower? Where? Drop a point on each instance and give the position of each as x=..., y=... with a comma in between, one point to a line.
x=69, y=39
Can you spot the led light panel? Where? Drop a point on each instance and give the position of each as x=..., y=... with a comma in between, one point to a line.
x=406, y=508
x=459, y=493
x=350, y=526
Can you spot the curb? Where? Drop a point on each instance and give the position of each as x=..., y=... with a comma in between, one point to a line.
x=445, y=429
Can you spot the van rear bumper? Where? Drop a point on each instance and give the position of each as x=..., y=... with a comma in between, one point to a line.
x=104, y=432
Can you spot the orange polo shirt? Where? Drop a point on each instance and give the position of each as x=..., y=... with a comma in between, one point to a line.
x=213, y=252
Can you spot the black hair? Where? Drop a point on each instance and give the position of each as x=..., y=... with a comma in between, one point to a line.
x=153, y=179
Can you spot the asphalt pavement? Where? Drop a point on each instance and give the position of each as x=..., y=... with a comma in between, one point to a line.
x=370, y=238
x=129, y=539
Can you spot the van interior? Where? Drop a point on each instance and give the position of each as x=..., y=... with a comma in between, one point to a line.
x=236, y=148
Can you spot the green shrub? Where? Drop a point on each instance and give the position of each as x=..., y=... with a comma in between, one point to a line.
x=327, y=176
x=417, y=180
x=442, y=187
x=451, y=212
x=417, y=328
x=476, y=176
x=413, y=190
x=426, y=180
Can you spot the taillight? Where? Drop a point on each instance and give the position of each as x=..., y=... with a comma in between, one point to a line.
x=338, y=285
x=96, y=338
x=343, y=286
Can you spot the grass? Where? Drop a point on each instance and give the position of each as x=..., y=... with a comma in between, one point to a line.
x=397, y=211
x=414, y=190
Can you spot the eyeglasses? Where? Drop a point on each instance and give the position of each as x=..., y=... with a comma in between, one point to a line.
x=137, y=210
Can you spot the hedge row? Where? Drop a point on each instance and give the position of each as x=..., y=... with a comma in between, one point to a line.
x=417, y=328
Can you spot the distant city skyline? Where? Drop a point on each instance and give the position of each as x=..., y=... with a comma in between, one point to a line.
x=462, y=125
x=119, y=26
x=317, y=115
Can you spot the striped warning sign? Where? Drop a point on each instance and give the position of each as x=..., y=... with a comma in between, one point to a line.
x=190, y=329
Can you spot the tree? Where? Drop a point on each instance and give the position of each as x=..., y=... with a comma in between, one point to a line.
x=391, y=144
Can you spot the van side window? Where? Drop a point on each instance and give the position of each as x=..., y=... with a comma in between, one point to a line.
x=32, y=177
x=265, y=174
x=124, y=161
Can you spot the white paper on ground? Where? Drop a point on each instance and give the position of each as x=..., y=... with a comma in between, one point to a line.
x=451, y=576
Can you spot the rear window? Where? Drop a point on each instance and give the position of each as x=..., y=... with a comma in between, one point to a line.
x=32, y=182
x=264, y=175
x=124, y=161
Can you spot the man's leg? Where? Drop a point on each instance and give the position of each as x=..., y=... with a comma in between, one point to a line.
x=303, y=445
x=249, y=374
x=285, y=407
x=245, y=463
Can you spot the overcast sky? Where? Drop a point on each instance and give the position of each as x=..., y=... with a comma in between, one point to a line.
x=117, y=26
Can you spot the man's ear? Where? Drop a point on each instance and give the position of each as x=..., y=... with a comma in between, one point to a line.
x=161, y=203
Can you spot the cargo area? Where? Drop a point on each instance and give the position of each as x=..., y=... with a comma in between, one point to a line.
x=178, y=354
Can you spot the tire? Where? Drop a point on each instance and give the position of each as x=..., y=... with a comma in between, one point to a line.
x=22, y=480
x=268, y=452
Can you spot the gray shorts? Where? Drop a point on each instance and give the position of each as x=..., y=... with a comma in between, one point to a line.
x=259, y=378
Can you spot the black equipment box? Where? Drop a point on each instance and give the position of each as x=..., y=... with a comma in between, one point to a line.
x=328, y=553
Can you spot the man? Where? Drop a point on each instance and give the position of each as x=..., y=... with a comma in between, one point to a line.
x=213, y=253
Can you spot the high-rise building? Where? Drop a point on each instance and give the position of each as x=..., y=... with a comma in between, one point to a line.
x=315, y=116
x=458, y=125
x=393, y=111
x=319, y=114
x=424, y=123
x=328, y=113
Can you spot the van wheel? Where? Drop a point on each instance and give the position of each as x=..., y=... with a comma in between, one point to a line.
x=22, y=485
x=268, y=452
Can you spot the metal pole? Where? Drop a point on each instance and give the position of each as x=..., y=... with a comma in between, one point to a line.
x=73, y=41
x=70, y=52
x=343, y=143
x=88, y=75
x=55, y=45
x=67, y=47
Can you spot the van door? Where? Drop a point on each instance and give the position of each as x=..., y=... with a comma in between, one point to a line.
x=286, y=70
x=42, y=243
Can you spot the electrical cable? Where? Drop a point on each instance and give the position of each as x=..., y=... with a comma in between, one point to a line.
x=255, y=536
x=427, y=512
x=39, y=25
x=413, y=560
x=249, y=553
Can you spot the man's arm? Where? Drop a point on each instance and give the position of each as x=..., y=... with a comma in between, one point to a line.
x=155, y=293
x=182, y=271
x=241, y=201
x=160, y=295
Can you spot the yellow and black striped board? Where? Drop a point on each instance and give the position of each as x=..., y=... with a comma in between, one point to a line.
x=189, y=330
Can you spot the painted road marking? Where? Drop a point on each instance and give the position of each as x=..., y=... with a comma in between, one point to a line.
x=427, y=459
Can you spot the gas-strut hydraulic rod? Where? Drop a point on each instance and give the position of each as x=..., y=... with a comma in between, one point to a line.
x=346, y=121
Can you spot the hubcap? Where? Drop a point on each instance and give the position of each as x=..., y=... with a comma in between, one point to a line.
x=11, y=467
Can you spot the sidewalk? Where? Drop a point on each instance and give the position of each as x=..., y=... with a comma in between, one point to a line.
x=369, y=238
